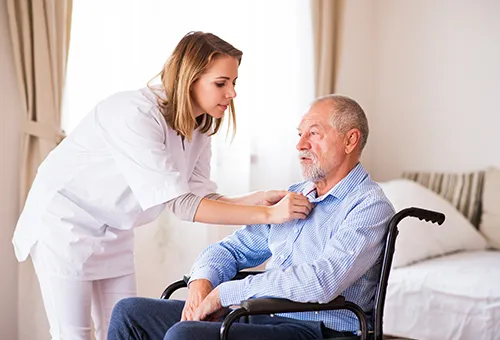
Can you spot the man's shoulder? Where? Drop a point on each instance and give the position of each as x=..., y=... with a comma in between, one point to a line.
x=369, y=192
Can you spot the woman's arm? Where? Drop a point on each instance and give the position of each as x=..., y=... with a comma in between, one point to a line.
x=291, y=206
x=268, y=197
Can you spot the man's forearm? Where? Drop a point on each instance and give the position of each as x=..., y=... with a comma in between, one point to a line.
x=308, y=286
x=245, y=248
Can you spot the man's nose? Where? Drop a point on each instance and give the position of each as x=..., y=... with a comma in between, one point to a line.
x=303, y=144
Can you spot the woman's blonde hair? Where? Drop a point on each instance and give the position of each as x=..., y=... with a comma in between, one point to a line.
x=190, y=59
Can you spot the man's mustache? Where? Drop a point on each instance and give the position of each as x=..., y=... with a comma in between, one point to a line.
x=307, y=154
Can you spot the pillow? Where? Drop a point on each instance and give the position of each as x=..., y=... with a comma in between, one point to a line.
x=490, y=218
x=419, y=240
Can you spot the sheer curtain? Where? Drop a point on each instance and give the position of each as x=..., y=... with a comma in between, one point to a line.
x=119, y=45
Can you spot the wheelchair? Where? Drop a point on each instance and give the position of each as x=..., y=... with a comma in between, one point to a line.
x=273, y=306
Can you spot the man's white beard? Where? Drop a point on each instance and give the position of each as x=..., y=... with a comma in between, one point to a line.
x=312, y=172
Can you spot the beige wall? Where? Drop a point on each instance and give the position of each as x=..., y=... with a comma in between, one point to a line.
x=436, y=77
x=355, y=62
x=10, y=110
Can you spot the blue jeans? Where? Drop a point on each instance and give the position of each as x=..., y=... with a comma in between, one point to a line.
x=143, y=318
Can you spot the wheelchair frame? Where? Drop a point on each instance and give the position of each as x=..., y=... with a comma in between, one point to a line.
x=273, y=306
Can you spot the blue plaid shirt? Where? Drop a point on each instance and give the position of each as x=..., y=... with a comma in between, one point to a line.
x=334, y=251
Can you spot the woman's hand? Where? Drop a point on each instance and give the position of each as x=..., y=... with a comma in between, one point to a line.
x=292, y=206
x=271, y=197
x=198, y=290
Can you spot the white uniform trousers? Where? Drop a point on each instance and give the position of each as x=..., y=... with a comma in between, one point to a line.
x=72, y=305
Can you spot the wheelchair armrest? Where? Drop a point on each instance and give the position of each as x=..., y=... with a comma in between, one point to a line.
x=273, y=306
x=276, y=306
x=172, y=288
x=242, y=274
x=184, y=282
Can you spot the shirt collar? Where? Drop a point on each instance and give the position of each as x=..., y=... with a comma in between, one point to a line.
x=341, y=189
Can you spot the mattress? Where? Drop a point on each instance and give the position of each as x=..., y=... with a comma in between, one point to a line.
x=451, y=297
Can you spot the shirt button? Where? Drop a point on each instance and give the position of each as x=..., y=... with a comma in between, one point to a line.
x=296, y=230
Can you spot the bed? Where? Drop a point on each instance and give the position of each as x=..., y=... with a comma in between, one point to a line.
x=445, y=283
x=451, y=297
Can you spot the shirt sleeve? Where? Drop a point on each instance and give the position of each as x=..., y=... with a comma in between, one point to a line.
x=185, y=206
x=245, y=248
x=137, y=140
x=199, y=182
x=351, y=252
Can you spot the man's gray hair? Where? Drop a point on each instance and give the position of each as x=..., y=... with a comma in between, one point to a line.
x=347, y=114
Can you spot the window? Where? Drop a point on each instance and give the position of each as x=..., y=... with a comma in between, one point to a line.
x=120, y=45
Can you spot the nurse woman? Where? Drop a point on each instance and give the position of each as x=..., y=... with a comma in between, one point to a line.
x=133, y=154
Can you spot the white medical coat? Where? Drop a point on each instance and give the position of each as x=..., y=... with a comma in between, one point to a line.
x=115, y=171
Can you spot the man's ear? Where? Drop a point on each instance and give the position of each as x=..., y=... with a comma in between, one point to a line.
x=351, y=140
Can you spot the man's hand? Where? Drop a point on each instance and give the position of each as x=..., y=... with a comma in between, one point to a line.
x=198, y=290
x=210, y=309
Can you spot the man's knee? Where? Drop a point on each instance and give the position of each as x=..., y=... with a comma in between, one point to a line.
x=122, y=319
x=126, y=308
x=187, y=330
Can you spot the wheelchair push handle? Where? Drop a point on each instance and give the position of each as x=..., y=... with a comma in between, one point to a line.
x=423, y=214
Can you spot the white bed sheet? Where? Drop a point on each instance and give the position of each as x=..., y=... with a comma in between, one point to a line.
x=451, y=297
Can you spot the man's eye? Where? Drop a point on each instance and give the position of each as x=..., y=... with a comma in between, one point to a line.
x=220, y=84
x=314, y=133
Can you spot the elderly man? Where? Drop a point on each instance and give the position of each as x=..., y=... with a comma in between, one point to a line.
x=334, y=251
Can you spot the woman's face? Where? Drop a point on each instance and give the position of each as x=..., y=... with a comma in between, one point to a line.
x=213, y=91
